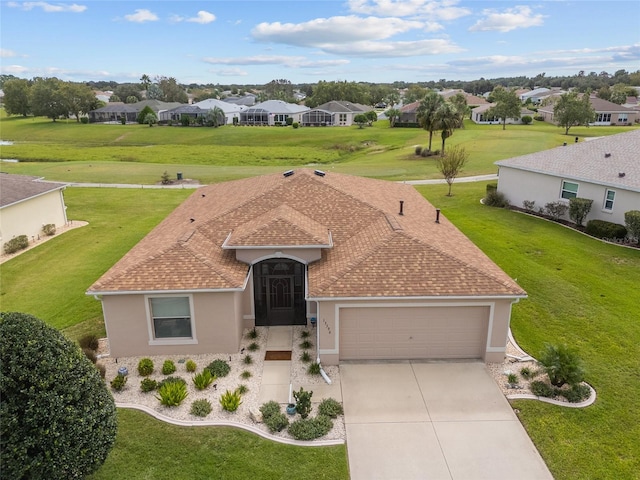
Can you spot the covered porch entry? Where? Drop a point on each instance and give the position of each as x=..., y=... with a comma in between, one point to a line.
x=279, y=289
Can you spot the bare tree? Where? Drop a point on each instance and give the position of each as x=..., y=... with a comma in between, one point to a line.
x=451, y=165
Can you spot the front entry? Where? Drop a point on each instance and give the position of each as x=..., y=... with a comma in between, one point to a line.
x=278, y=287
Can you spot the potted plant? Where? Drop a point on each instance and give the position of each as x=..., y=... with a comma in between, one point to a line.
x=291, y=409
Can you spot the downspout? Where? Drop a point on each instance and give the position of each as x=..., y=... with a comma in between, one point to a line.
x=322, y=372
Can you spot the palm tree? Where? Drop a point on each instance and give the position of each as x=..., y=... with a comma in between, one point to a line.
x=426, y=112
x=446, y=119
x=146, y=81
x=393, y=114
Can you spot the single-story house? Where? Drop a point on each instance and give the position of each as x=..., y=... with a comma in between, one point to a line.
x=248, y=100
x=114, y=111
x=373, y=265
x=472, y=100
x=27, y=204
x=230, y=110
x=272, y=112
x=333, y=113
x=536, y=95
x=607, y=113
x=408, y=115
x=480, y=115
x=176, y=114
x=605, y=170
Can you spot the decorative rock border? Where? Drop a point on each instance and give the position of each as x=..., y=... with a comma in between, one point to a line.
x=527, y=396
x=213, y=423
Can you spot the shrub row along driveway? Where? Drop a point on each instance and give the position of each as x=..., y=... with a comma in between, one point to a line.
x=415, y=420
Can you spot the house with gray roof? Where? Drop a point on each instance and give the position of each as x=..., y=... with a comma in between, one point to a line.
x=272, y=112
x=333, y=113
x=605, y=170
x=27, y=204
x=482, y=116
x=607, y=113
x=230, y=110
x=371, y=263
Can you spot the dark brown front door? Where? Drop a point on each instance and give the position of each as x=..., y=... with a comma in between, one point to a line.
x=279, y=292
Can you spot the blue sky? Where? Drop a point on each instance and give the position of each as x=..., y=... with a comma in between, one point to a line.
x=254, y=42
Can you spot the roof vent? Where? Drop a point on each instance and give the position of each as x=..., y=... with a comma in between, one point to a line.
x=607, y=155
x=437, y=215
x=192, y=220
x=203, y=195
x=319, y=173
x=401, y=207
x=288, y=173
x=621, y=174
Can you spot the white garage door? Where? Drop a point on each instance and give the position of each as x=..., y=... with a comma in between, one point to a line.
x=413, y=332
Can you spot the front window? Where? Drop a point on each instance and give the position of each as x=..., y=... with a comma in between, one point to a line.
x=603, y=117
x=569, y=190
x=170, y=318
x=609, y=198
x=623, y=117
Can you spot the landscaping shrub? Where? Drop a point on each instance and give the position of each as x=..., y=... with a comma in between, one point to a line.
x=305, y=345
x=15, y=244
x=562, y=365
x=276, y=422
x=89, y=341
x=246, y=374
x=526, y=119
x=270, y=408
x=253, y=346
x=305, y=334
x=118, y=383
x=295, y=124
x=527, y=373
x=84, y=120
x=145, y=367
x=305, y=357
x=529, y=205
x=512, y=378
x=577, y=393
x=247, y=360
x=148, y=385
x=252, y=334
x=632, y=222
x=330, y=407
x=203, y=379
x=230, y=401
x=168, y=367
x=491, y=187
x=538, y=118
x=314, y=369
x=418, y=150
x=579, y=208
x=102, y=370
x=556, y=209
x=171, y=394
x=172, y=380
x=191, y=366
x=58, y=417
x=310, y=428
x=201, y=407
x=242, y=389
x=426, y=153
x=49, y=229
x=143, y=113
x=90, y=354
x=496, y=199
x=219, y=368
x=303, y=402
x=604, y=229
x=542, y=389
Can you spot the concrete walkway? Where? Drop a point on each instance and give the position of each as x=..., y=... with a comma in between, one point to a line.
x=436, y=181
x=412, y=420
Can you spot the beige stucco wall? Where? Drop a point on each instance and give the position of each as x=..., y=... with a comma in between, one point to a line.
x=498, y=323
x=218, y=325
x=519, y=185
x=28, y=217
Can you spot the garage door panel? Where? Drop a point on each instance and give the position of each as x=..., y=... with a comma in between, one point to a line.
x=413, y=332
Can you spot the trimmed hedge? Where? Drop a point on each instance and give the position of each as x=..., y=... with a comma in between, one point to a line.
x=18, y=243
x=604, y=229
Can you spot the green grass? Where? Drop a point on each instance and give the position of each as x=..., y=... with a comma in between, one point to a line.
x=581, y=292
x=68, y=151
x=166, y=451
x=49, y=281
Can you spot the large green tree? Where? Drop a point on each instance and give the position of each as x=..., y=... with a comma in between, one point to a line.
x=462, y=109
x=279, y=89
x=16, y=97
x=446, y=118
x=571, y=110
x=507, y=105
x=126, y=90
x=47, y=100
x=77, y=98
x=58, y=420
x=172, y=92
x=427, y=112
x=324, y=92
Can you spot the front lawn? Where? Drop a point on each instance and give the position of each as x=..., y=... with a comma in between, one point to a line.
x=581, y=292
x=146, y=448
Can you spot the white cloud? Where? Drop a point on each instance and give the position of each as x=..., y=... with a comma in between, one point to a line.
x=333, y=30
x=142, y=15
x=287, y=61
x=230, y=72
x=13, y=69
x=436, y=10
x=203, y=17
x=4, y=53
x=511, y=19
x=49, y=7
x=394, y=49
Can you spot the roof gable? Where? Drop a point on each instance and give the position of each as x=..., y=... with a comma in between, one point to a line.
x=18, y=188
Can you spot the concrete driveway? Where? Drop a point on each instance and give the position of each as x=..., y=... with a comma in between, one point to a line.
x=414, y=420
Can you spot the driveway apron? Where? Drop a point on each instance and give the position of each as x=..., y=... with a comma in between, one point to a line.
x=417, y=420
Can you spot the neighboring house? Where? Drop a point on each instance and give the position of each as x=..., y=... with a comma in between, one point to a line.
x=408, y=115
x=113, y=112
x=371, y=263
x=176, y=114
x=333, y=113
x=605, y=170
x=472, y=100
x=272, y=112
x=480, y=115
x=535, y=95
x=27, y=204
x=248, y=100
x=230, y=110
x=607, y=113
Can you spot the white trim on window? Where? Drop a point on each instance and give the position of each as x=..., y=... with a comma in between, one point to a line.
x=567, y=189
x=609, y=200
x=170, y=341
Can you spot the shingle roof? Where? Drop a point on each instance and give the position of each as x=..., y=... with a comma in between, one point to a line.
x=17, y=188
x=598, y=161
x=336, y=106
x=375, y=251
